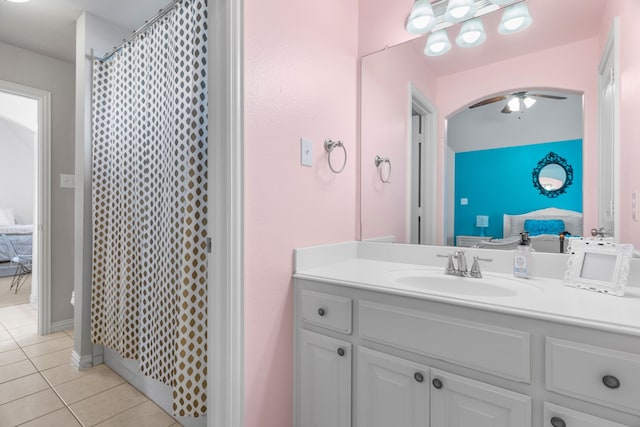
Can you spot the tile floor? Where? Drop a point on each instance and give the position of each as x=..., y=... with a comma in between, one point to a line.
x=39, y=387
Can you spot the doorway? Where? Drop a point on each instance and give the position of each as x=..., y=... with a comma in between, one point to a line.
x=24, y=206
x=423, y=157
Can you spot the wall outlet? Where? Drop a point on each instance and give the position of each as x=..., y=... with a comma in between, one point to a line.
x=67, y=180
x=306, y=152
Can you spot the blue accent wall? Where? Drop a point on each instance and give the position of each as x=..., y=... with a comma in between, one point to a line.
x=499, y=181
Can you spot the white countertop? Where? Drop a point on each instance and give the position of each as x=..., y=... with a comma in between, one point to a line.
x=541, y=298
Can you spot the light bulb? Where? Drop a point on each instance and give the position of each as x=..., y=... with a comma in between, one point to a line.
x=515, y=18
x=437, y=47
x=437, y=44
x=529, y=101
x=471, y=36
x=514, y=24
x=514, y=104
x=459, y=12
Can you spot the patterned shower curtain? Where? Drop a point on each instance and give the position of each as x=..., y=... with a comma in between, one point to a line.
x=149, y=291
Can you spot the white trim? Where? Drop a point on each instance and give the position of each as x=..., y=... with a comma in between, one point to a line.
x=83, y=362
x=226, y=339
x=63, y=325
x=430, y=159
x=42, y=228
x=612, y=48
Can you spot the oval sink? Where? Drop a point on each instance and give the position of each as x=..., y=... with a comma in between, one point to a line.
x=434, y=280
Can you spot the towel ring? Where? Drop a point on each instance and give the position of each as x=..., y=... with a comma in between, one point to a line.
x=379, y=161
x=329, y=145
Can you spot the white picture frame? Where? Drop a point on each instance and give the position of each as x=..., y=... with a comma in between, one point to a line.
x=598, y=265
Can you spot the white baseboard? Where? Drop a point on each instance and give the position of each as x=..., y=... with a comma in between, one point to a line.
x=83, y=362
x=63, y=325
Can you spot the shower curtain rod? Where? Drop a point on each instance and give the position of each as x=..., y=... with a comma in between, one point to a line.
x=161, y=13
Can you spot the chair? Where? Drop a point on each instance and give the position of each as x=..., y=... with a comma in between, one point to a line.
x=22, y=258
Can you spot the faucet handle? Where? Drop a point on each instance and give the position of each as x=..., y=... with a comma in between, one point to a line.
x=475, y=267
x=451, y=268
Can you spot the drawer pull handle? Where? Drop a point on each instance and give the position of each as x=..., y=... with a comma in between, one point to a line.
x=437, y=383
x=340, y=351
x=558, y=422
x=611, y=382
x=418, y=377
x=321, y=311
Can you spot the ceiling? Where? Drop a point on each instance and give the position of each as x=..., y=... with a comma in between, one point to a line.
x=48, y=26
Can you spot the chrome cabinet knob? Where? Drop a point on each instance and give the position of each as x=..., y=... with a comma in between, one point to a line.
x=558, y=422
x=437, y=383
x=340, y=351
x=321, y=312
x=418, y=377
x=611, y=382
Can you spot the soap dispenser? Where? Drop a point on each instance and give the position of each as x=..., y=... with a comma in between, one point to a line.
x=522, y=258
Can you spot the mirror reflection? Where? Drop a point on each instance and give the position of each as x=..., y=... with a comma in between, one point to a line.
x=417, y=112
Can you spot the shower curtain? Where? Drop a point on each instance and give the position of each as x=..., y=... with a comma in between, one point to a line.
x=149, y=198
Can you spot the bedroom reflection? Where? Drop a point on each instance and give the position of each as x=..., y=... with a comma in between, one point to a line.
x=495, y=170
x=18, y=139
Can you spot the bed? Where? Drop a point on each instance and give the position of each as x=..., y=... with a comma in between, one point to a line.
x=544, y=225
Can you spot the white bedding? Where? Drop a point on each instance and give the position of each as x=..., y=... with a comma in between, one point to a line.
x=16, y=229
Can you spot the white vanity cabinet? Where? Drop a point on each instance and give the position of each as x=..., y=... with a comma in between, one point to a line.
x=391, y=391
x=413, y=361
x=324, y=377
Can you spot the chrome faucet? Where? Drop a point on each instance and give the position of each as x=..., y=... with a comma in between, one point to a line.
x=457, y=265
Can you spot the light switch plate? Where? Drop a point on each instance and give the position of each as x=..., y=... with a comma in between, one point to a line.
x=634, y=206
x=306, y=152
x=464, y=201
x=67, y=181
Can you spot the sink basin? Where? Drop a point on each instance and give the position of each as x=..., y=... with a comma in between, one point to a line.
x=434, y=280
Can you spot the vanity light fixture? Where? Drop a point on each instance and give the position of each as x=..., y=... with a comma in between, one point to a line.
x=515, y=18
x=421, y=19
x=437, y=44
x=471, y=34
x=460, y=10
x=427, y=17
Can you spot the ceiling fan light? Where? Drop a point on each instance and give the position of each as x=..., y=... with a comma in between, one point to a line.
x=515, y=18
x=514, y=104
x=529, y=101
x=459, y=10
x=437, y=44
x=421, y=19
x=471, y=34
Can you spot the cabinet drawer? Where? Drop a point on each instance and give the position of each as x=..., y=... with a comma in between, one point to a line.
x=328, y=311
x=486, y=348
x=557, y=416
x=581, y=370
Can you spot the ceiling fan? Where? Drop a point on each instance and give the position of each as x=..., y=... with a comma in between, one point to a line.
x=518, y=101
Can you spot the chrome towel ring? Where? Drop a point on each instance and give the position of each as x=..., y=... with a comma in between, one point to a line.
x=380, y=161
x=329, y=145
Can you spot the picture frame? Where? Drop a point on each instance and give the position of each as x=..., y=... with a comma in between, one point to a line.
x=598, y=265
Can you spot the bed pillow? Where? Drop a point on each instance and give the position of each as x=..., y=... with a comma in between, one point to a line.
x=6, y=217
x=536, y=227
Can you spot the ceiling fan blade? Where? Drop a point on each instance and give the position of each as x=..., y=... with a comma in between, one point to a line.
x=540, y=95
x=506, y=109
x=488, y=101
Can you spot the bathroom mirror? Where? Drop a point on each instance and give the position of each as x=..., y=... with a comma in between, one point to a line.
x=406, y=95
x=553, y=175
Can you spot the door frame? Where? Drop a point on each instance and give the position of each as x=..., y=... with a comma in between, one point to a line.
x=226, y=296
x=429, y=113
x=611, y=51
x=42, y=227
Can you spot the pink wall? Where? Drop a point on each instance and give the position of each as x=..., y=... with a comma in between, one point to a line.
x=300, y=80
x=572, y=66
x=382, y=24
x=384, y=108
x=629, y=173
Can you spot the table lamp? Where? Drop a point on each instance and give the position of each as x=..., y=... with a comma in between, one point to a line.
x=482, y=222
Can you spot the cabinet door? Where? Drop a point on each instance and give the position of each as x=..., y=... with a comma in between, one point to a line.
x=391, y=391
x=460, y=402
x=325, y=381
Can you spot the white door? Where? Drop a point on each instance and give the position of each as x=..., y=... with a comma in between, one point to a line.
x=460, y=402
x=325, y=381
x=608, y=119
x=391, y=391
x=417, y=178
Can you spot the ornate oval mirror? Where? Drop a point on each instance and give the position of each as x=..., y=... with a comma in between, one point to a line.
x=552, y=175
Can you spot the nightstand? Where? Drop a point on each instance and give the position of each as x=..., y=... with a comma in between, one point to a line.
x=470, y=241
